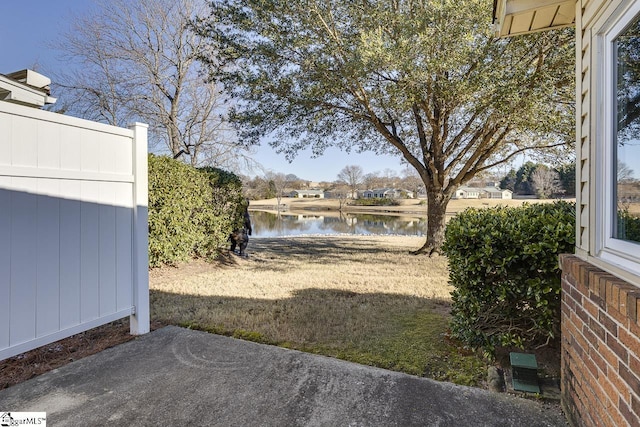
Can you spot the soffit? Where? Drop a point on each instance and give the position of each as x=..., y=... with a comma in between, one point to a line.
x=513, y=17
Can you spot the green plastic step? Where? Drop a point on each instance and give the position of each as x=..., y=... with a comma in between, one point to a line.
x=524, y=370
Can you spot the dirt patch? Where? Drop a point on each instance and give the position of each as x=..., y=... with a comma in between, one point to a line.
x=27, y=365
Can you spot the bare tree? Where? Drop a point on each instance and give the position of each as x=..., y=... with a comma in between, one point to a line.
x=138, y=61
x=545, y=182
x=343, y=193
x=279, y=182
x=374, y=180
x=624, y=173
x=411, y=181
x=352, y=176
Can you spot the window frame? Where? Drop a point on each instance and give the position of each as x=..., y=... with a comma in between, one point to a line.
x=624, y=254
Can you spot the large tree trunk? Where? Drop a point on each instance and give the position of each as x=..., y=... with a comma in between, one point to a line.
x=436, y=222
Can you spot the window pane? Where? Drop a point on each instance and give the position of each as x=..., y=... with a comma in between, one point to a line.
x=627, y=152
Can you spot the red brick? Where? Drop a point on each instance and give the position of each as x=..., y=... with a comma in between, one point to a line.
x=613, y=299
x=617, y=348
x=599, y=361
x=617, y=315
x=632, y=304
x=634, y=365
x=591, y=367
x=597, y=329
x=576, y=350
x=610, y=357
x=571, y=279
x=608, y=323
x=570, y=302
x=635, y=405
x=628, y=415
x=565, y=310
x=576, y=295
x=576, y=266
x=625, y=290
x=634, y=329
x=616, y=419
x=583, y=278
x=630, y=341
x=591, y=338
x=579, y=340
x=594, y=281
x=604, y=281
x=577, y=321
x=630, y=379
x=612, y=295
x=582, y=314
x=596, y=299
x=569, y=324
x=591, y=307
x=619, y=384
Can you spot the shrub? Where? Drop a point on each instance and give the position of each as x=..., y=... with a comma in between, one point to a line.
x=504, y=265
x=375, y=202
x=628, y=225
x=227, y=205
x=191, y=211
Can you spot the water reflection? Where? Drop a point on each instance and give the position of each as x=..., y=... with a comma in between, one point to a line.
x=267, y=224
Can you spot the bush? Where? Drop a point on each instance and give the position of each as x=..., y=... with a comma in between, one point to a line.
x=191, y=211
x=375, y=202
x=504, y=265
x=628, y=225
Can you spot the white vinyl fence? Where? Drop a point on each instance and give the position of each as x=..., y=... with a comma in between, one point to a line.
x=73, y=227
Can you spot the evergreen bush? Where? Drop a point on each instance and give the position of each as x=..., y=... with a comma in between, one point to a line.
x=375, y=201
x=504, y=266
x=191, y=211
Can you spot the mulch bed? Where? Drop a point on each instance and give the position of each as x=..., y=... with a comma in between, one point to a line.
x=51, y=356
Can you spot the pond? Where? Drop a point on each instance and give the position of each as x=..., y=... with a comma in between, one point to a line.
x=268, y=224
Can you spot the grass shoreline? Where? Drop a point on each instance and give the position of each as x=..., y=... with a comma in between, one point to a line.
x=405, y=207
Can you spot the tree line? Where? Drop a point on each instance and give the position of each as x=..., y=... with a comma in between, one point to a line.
x=542, y=180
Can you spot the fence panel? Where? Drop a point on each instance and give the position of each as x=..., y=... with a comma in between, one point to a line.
x=73, y=233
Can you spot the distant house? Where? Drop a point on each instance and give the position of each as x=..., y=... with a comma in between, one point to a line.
x=465, y=192
x=307, y=194
x=495, y=193
x=382, y=193
x=338, y=194
x=406, y=194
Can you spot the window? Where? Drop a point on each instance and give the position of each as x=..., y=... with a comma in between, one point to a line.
x=627, y=133
x=617, y=139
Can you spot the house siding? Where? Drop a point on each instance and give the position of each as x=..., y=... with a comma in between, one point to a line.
x=599, y=314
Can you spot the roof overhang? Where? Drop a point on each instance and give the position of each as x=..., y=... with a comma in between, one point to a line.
x=25, y=87
x=514, y=17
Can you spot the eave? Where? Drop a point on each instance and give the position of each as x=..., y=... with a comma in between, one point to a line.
x=514, y=17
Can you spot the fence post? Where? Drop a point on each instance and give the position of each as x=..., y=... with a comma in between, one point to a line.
x=139, y=320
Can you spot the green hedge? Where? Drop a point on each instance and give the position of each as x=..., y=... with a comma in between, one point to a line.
x=628, y=226
x=504, y=266
x=191, y=211
x=375, y=201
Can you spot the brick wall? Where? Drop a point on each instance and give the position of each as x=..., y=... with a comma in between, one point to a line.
x=600, y=346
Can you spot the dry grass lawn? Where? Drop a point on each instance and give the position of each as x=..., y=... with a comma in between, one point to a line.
x=361, y=298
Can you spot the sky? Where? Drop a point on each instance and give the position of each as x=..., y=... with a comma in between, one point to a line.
x=29, y=26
